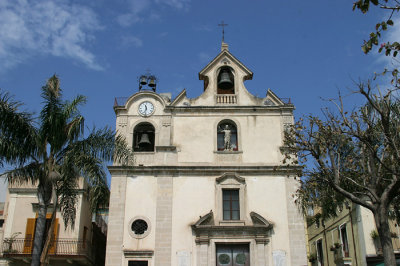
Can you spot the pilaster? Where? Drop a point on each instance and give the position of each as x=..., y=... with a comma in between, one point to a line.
x=164, y=221
x=115, y=235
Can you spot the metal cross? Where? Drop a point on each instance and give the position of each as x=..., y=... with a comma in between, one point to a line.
x=222, y=24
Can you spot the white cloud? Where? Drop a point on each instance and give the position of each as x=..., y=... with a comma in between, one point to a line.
x=203, y=28
x=139, y=10
x=135, y=14
x=204, y=57
x=128, y=41
x=47, y=27
x=178, y=4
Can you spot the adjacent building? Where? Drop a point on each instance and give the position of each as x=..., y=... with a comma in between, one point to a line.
x=84, y=244
x=208, y=186
x=348, y=239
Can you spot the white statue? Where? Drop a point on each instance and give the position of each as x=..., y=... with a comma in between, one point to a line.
x=227, y=137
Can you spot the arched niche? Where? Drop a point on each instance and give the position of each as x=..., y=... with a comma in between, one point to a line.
x=144, y=137
x=225, y=81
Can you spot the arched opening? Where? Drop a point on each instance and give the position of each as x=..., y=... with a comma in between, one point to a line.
x=143, y=137
x=227, y=136
x=225, y=81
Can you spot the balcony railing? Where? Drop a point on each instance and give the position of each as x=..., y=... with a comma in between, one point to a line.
x=226, y=99
x=60, y=247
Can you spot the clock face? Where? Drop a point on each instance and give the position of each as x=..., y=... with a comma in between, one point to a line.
x=146, y=108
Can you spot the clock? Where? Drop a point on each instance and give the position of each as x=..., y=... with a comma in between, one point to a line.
x=146, y=108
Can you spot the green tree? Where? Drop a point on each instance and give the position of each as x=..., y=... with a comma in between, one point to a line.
x=355, y=155
x=51, y=151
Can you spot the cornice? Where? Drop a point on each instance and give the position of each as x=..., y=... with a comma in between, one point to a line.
x=232, y=108
x=204, y=170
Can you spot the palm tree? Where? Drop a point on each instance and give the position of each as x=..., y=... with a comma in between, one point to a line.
x=52, y=152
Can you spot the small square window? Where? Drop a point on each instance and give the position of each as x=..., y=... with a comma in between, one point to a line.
x=231, y=209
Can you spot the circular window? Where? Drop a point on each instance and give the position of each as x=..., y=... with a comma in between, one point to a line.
x=139, y=227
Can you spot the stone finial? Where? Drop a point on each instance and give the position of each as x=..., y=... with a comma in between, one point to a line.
x=224, y=46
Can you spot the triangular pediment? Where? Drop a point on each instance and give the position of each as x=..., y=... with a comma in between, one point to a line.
x=259, y=220
x=272, y=99
x=207, y=219
x=226, y=58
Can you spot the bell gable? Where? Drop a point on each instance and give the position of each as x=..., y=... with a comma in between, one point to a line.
x=224, y=85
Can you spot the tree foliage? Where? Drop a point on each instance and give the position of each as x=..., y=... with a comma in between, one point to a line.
x=354, y=155
x=52, y=152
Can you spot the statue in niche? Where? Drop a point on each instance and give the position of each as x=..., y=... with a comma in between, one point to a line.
x=227, y=137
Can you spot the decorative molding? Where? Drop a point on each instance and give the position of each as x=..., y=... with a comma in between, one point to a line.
x=165, y=148
x=278, y=109
x=230, y=175
x=204, y=170
x=129, y=253
x=207, y=219
x=180, y=96
x=122, y=121
x=225, y=61
x=258, y=219
x=205, y=230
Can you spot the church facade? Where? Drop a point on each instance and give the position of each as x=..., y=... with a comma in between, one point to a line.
x=208, y=186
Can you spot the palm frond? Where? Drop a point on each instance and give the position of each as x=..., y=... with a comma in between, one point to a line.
x=67, y=193
x=92, y=170
x=74, y=120
x=17, y=132
x=74, y=129
x=102, y=144
x=30, y=173
x=99, y=195
x=122, y=154
x=52, y=119
x=70, y=109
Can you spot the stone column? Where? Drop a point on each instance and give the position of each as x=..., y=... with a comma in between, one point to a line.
x=163, y=230
x=115, y=235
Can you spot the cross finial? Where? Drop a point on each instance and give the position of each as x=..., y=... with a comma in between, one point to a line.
x=222, y=24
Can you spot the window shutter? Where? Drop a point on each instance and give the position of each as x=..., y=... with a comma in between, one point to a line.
x=29, y=232
x=53, y=240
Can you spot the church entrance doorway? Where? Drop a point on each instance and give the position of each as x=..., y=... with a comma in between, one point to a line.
x=233, y=255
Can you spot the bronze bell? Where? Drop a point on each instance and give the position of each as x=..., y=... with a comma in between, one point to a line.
x=225, y=81
x=144, y=139
x=143, y=80
x=152, y=83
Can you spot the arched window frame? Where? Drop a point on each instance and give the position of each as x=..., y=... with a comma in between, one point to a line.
x=136, y=135
x=235, y=138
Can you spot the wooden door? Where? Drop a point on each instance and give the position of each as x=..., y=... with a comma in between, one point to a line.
x=233, y=255
x=29, y=233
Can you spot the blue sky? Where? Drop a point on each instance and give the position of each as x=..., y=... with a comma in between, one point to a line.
x=304, y=50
